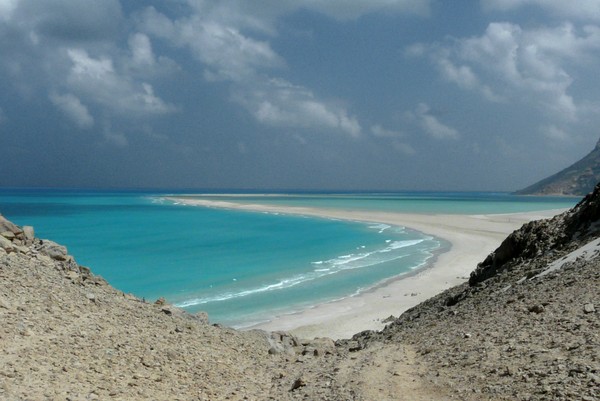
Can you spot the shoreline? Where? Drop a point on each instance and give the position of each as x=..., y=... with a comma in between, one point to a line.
x=471, y=239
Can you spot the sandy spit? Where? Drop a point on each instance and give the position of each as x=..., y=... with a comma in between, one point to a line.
x=472, y=238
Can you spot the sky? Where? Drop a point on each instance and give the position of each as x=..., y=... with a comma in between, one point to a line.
x=489, y=95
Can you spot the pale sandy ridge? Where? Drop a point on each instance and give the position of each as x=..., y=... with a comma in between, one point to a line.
x=472, y=238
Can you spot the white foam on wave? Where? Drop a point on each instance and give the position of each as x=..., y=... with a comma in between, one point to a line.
x=326, y=268
x=380, y=227
x=286, y=283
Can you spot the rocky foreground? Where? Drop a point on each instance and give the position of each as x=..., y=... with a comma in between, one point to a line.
x=525, y=327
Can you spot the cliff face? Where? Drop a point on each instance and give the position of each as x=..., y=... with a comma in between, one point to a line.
x=577, y=179
x=537, y=238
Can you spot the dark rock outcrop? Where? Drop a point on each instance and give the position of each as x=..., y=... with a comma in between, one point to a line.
x=539, y=237
x=520, y=329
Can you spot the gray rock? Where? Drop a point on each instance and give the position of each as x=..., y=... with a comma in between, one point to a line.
x=200, y=317
x=321, y=346
x=22, y=249
x=389, y=319
x=4, y=304
x=6, y=244
x=6, y=225
x=97, y=280
x=28, y=232
x=8, y=235
x=275, y=350
x=354, y=346
x=589, y=308
x=53, y=250
x=299, y=382
x=536, y=308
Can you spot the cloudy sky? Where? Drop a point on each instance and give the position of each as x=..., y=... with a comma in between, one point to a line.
x=296, y=94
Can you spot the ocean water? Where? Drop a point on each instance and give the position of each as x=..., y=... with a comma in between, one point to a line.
x=243, y=267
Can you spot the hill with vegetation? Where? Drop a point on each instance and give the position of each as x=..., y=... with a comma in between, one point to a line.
x=577, y=179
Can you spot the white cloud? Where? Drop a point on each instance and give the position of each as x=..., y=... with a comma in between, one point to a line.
x=97, y=79
x=394, y=139
x=226, y=53
x=555, y=133
x=261, y=15
x=404, y=148
x=279, y=103
x=118, y=140
x=379, y=131
x=72, y=107
x=141, y=50
x=141, y=62
x=431, y=125
x=584, y=9
x=464, y=77
x=348, y=10
x=248, y=64
x=530, y=65
x=7, y=7
x=64, y=20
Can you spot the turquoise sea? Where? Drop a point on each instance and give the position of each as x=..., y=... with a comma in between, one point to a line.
x=244, y=267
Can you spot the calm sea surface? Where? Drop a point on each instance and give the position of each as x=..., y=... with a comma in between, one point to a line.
x=243, y=267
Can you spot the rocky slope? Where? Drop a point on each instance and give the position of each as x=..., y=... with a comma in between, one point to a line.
x=577, y=179
x=525, y=327
x=68, y=335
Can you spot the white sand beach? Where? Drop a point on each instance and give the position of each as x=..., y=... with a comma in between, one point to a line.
x=472, y=238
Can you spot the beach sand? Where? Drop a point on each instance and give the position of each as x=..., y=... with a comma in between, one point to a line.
x=472, y=238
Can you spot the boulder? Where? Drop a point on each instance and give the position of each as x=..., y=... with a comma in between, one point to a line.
x=200, y=317
x=8, y=235
x=6, y=225
x=53, y=250
x=6, y=244
x=28, y=233
x=22, y=249
x=589, y=308
x=320, y=346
